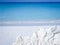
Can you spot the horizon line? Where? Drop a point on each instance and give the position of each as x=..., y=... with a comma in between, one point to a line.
x=27, y=23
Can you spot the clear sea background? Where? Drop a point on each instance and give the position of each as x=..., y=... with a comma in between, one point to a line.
x=24, y=12
x=29, y=11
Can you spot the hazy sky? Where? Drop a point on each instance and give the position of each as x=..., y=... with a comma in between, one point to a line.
x=29, y=11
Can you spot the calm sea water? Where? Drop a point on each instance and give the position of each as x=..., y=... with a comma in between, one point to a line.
x=29, y=11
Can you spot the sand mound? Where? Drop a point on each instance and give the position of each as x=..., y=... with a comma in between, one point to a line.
x=45, y=36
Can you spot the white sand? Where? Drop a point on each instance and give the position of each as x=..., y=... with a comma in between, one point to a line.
x=46, y=35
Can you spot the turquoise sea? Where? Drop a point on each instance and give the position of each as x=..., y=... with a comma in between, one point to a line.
x=29, y=11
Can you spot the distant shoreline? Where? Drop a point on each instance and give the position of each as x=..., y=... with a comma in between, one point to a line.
x=29, y=23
